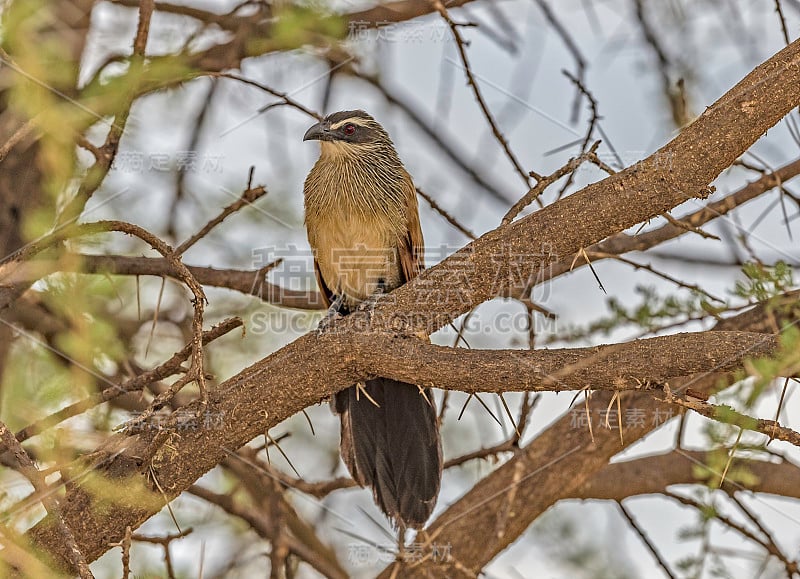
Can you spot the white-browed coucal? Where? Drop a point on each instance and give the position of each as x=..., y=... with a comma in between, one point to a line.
x=363, y=226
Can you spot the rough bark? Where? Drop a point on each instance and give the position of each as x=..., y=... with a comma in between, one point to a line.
x=653, y=474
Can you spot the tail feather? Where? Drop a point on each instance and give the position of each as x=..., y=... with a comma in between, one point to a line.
x=390, y=443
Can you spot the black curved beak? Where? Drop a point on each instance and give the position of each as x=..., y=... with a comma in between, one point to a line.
x=319, y=132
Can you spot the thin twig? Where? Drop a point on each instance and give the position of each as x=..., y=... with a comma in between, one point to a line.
x=728, y=415
x=543, y=182
x=675, y=95
x=287, y=100
x=741, y=529
x=573, y=49
x=509, y=445
x=76, y=230
x=780, y=403
x=98, y=171
x=782, y=18
x=689, y=227
x=454, y=29
x=49, y=500
x=593, y=106
x=789, y=565
x=168, y=368
x=449, y=218
x=646, y=540
x=18, y=136
x=662, y=275
x=249, y=196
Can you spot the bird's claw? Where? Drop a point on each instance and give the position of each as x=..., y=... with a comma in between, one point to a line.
x=326, y=323
x=367, y=307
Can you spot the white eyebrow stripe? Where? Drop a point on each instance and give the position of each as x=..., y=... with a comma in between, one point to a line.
x=354, y=120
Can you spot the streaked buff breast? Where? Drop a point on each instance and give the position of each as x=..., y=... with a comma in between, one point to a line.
x=359, y=252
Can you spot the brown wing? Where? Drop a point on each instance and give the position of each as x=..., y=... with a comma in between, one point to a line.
x=324, y=290
x=412, y=245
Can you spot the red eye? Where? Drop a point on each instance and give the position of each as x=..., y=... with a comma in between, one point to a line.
x=349, y=129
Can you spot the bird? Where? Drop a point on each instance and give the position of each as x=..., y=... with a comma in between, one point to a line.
x=362, y=221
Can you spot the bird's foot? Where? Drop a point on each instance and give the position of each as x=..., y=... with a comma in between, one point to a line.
x=334, y=313
x=367, y=307
x=326, y=324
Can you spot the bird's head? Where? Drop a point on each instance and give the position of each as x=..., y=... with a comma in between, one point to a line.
x=349, y=133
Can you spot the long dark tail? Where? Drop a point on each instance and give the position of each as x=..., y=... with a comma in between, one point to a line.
x=390, y=443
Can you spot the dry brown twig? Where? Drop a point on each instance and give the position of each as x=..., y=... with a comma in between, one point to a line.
x=509, y=445
x=248, y=197
x=249, y=282
x=126, y=553
x=476, y=91
x=98, y=171
x=49, y=501
x=594, y=118
x=767, y=544
x=285, y=97
x=196, y=372
x=182, y=172
x=782, y=18
x=449, y=218
x=19, y=135
x=689, y=227
x=594, y=121
x=773, y=549
x=728, y=415
x=675, y=94
x=160, y=372
x=543, y=182
x=449, y=148
x=646, y=540
x=165, y=543
x=647, y=267
x=577, y=56
x=273, y=517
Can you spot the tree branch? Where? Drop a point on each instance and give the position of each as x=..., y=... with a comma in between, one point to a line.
x=566, y=447
x=638, y=365
x=19, y=276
